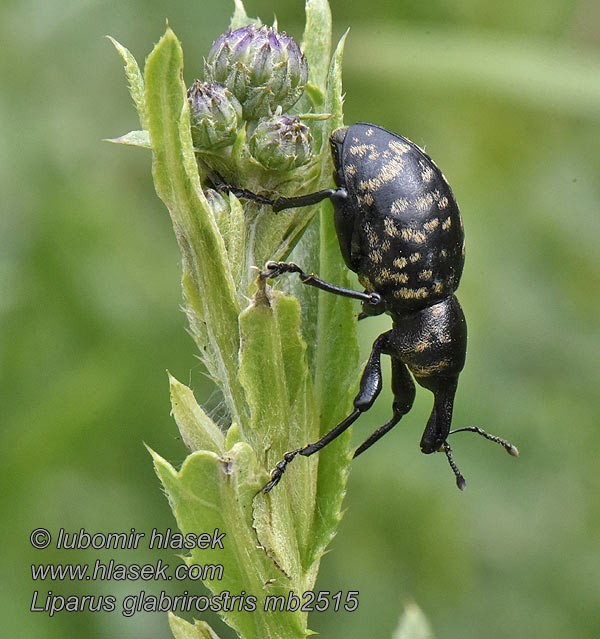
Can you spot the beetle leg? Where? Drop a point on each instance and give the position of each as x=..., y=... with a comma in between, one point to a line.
x=403, y=389
x=278, y=204
x=282, y=203
x=370, y=387
x=274, y=269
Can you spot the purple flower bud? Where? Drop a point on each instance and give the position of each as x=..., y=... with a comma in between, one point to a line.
x=263, y=68
x=215, y=115
x=281, y=143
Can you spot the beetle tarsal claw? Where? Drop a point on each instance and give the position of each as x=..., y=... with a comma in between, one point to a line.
x=277, y=472
x=273, y=270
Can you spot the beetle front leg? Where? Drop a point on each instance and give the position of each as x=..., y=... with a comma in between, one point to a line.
x=373, y=300
x=279, y=203
x=370, y=387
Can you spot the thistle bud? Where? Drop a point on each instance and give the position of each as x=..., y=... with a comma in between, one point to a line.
x=263, y=68
x=281, y=143
x=215, y=115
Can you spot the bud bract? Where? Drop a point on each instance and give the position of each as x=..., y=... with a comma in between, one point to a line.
x=215, y=115
x=263, y=68
x=218, y=205
x=281, y=143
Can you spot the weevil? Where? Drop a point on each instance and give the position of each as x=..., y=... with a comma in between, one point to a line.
x=399, y=229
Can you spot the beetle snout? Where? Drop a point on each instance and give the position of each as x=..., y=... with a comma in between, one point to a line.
x=431, y=446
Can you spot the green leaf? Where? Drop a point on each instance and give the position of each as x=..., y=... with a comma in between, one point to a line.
x=279, y=390
x=214, y=494
x=308, y=251
x=240, y=18
x=236, y=239
x=336, y=349
x=136, y=81
x=413, y=624
x=316, y=43
x=133, y=138
x=197, y=429
x=182, y=629
x=210, y=292
x=335, y=98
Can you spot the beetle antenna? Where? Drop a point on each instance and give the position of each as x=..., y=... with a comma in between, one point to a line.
x=510, y=449
x=460, y=480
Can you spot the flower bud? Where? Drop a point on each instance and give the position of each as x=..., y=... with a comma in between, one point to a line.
x=263, y=68
x=281, y=143
x=215, y=115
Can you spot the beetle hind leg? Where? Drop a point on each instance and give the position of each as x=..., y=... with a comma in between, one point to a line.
x=370, y=387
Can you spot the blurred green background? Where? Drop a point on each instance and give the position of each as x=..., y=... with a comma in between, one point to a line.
x=506, y=98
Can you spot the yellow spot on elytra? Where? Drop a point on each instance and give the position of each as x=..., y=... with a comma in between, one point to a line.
x=398, y=147
x=423, y=202
x=386, y=277
x=401, y=278
x=390, y=227
x=399, y=206
x=411, y=293
x=414, y=257
x=385, y=245
x=444, y=253
x=446, y=224
x=372, y=237
x=438, y=288
x=365, y=199
x=388, y=172
x=427, y=172
x=443, y=203
x=432, y=224
x=350, y=169
x=375, y=256
x=362, y=149
x=409, y=234
x=369, y=132
x=426, y=275
x=400, y=262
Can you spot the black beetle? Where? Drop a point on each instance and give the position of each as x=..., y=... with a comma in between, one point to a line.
x=400, y=230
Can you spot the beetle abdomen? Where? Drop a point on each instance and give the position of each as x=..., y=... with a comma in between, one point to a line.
x=408, y=231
